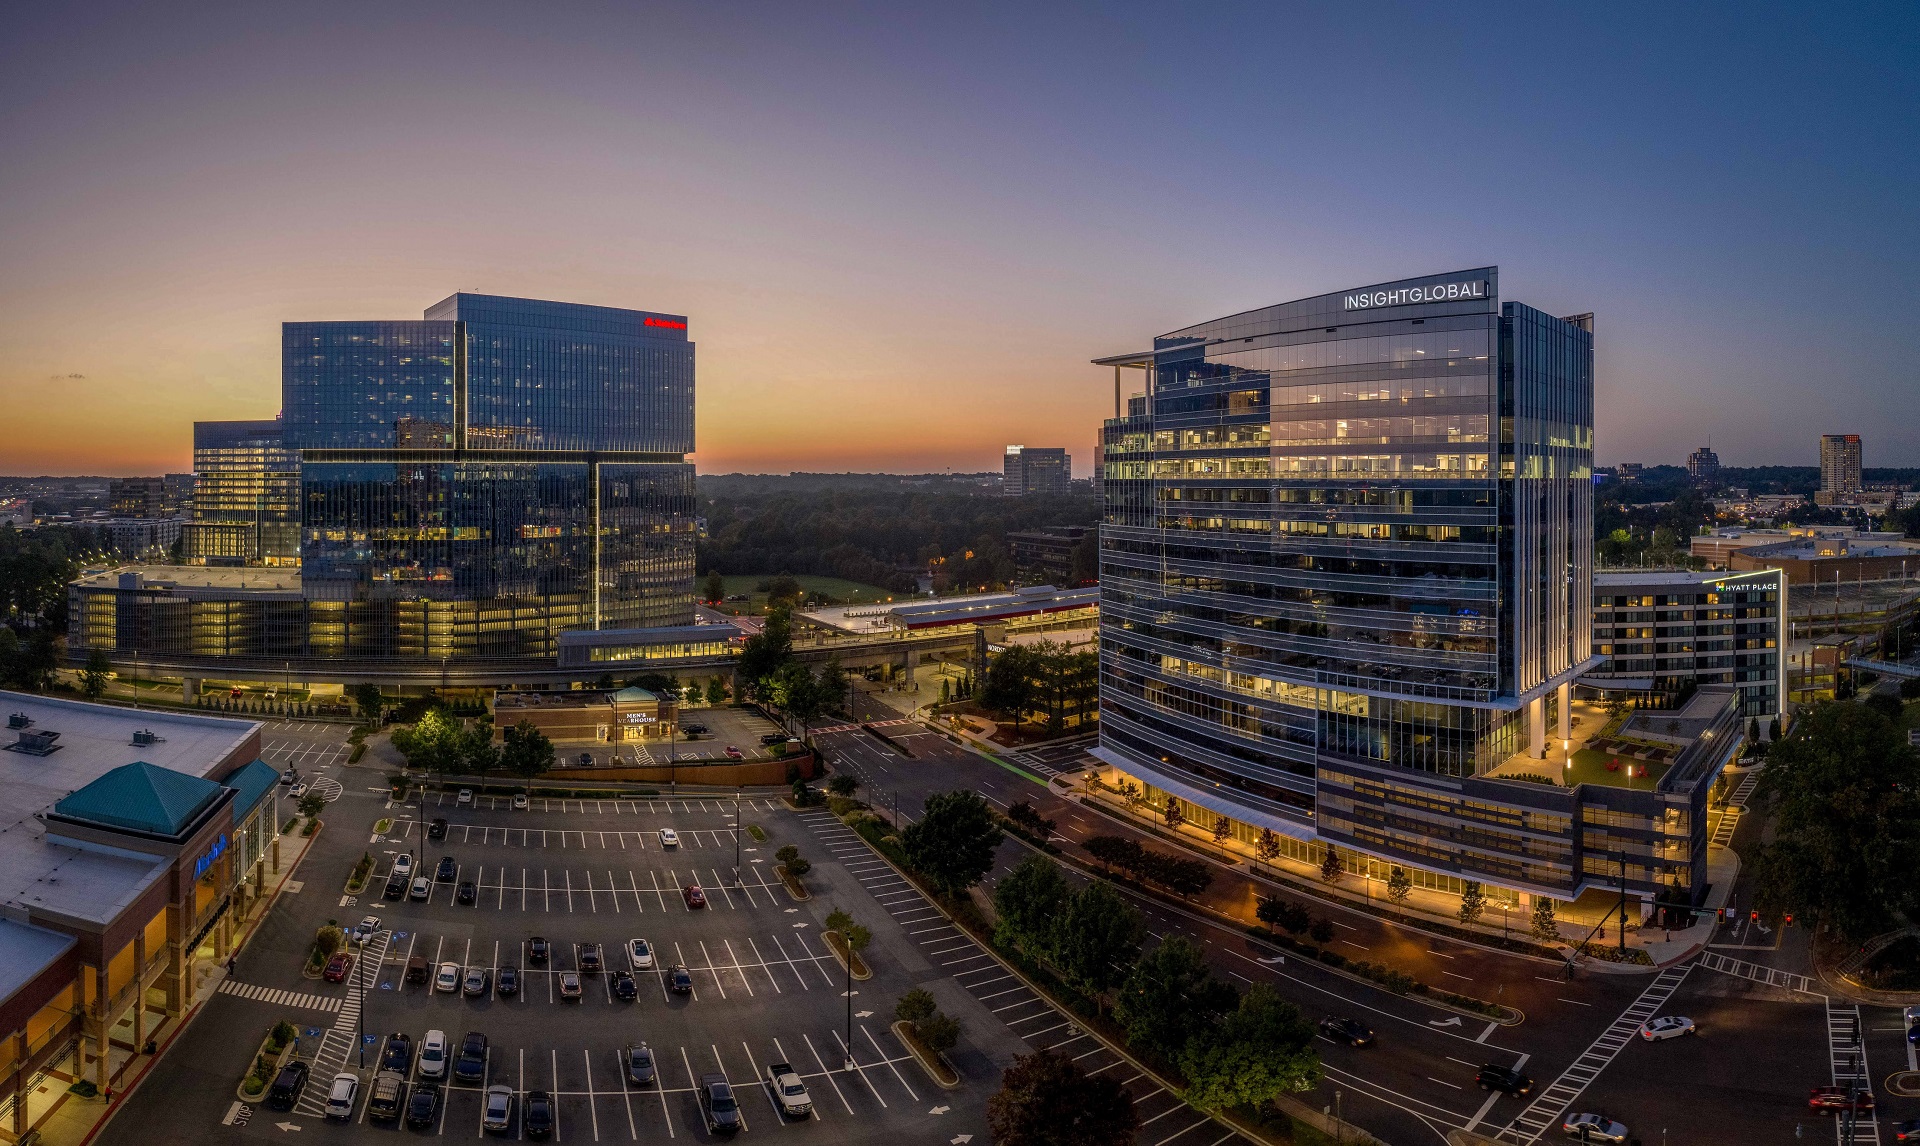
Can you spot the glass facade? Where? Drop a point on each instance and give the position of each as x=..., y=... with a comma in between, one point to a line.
x=246, y=496
x=1347, y=539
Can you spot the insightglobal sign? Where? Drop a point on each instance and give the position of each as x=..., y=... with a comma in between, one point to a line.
x=1403, y=296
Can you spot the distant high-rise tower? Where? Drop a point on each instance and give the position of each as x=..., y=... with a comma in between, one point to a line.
x=1035, y=469
x=1839, y=467
x=1703, y=463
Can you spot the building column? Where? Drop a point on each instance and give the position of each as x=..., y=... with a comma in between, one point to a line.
x=190, y=689
x=177, y=960
x=139, y=989
x=1566, y=710
x=1537, y=727
x=100, y=1026
x=19, y=1084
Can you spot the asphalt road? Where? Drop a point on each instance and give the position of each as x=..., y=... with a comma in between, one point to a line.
x=1418, y=1080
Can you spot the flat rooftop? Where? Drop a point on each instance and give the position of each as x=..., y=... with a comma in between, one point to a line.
x=1624, y=580
x=222, y=579
x=94, y=740
x=25, y=951
x=973, y=608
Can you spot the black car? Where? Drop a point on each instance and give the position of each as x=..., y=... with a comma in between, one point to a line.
x=773, y=738
x=398, y=1055
x=467, y=891
x=639, y=1064
x=536, y=1117
x=396, y=888
x=719, y=1105
x=1353, y=1032
x=590, y=958
x=437, y=830
x=1504, y=1079
x=447, y=870
x=681, y=980
x=538, y=949
x=423, y=1105
x=287, y=1085
x=471, y=1066
x=623, y=987
x=693, y=730
x=508, y=982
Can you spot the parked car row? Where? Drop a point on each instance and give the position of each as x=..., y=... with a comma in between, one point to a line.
x=473, y=982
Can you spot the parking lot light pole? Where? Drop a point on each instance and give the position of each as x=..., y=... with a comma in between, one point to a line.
x=360, y=983
x=736, y=836
x=847, y=942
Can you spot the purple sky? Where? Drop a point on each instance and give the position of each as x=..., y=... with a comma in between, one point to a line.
x=901, y=231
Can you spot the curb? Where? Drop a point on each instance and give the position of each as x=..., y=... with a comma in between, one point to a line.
x=913, y=1048
x=858, y=976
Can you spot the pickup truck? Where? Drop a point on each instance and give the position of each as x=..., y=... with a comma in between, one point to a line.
x=789, y=1091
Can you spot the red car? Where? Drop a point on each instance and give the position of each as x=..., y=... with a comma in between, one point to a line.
x=734, y=753
x=1831, y=1099
x=337, y=967
x=694, y=896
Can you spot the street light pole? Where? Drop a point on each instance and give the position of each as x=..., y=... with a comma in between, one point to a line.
x=736, y=835
x=360, y=984
x=1623, y=903
x=847, y=943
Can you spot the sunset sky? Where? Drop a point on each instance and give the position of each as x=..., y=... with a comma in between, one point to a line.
x=900, y=231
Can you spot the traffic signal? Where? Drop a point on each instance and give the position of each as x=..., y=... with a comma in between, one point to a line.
x=1789, y=922
x=1755, y=915
x=1723, y=914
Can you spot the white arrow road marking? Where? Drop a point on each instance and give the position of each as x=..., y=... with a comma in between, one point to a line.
x=1453, y=1022
x=286, y=1126
x=792, y=910
x=863, y=1014
x=940, y=1110
x=960, y=1139
x=1277, y=959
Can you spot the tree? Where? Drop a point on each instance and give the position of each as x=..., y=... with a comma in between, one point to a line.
x=857, y=935
x=433, y=744
x=915, y=1005
x=1773, y=729
x=1096, y=937
x=1222, y=828
x=1399, y=885
x=1545, y=927
x=952, y=843
x=367, y=698
x=842, y=784
x=831, y=686
x=478, y=753
x=782, y=590
x=1115, y=851
x=93, y=678
x=311, y=804
x=1175, y=817
x=1843, y=794
x=1045, y=1099
x=1026, y=901
x=797, y=691
x=1262, y=1050
x=789, y=857
x=1266, y=848
x=1330, y=868
x=1472, y=902
x=767, y=650
x=1320, y=930
x=938, y=1032
x=716, y=586
x=526, y=751
x=1012, y=682
x=1169, y=997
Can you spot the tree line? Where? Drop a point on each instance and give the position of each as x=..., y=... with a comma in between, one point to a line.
x=1046, y=680
x=442, y=744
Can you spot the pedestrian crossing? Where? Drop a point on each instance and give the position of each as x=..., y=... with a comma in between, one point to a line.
x=1847, y=1053
x=1553, y=1103
x=278, y=997
x=337, y=1044
x=1771, y=976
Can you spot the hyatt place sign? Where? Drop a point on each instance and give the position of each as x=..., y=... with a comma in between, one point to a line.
x=1404, y=296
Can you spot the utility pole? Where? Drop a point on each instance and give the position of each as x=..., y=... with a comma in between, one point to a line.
x=1623, y=903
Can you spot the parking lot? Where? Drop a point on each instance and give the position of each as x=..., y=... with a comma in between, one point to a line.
x=763, y=988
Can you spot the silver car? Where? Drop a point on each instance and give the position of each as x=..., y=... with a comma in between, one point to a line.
x=1594, y=1128
x=341, y=1095
x=499, y=1113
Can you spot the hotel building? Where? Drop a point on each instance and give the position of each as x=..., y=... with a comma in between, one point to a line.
x=1345, y=592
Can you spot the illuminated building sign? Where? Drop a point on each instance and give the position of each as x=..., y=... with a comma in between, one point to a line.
x=218, y=849
x=666, y=322
x=1405, y=296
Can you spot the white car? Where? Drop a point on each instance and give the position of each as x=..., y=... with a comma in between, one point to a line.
x=341, y=1095
x=1667, y=1027
x=1595, y=1128
x=465, y=798
x=641, y=952
x=519, y=801
x=499, y=1109
x=669, y=838
x=367, y=926
x=448, y=978
x=433, y=1055
x=403, y=865
x=422, y=888
x=297, y=791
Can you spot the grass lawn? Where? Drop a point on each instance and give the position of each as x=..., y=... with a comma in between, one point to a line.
x=841, y=592
x=1590, y=767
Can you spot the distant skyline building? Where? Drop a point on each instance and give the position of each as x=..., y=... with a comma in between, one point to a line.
x=1839, y=468
x=1036, y=469
x=140, y=497
x=1703, y=464
x=1345, y=586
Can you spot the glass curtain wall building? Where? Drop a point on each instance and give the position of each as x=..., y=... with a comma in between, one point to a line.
x=477, y=482
x=1345, y=573
x=246, y=496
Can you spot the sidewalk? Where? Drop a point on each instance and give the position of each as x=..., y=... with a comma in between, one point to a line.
x=74, y=1121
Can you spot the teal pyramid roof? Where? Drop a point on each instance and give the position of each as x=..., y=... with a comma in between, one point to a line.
x=141, y=797
x=252, y=783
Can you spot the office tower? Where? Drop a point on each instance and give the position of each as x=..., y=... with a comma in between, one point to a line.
x=139, y=497
x=1346, y=587
x=477, y=481
x=1839, y=468
x=1035, y=469
x=246, y=496
x=1703, y=464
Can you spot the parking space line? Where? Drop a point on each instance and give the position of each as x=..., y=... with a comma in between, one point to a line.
x=593, y=1107
x=626, y=1091
x=722, y=885
x=892, y=1065
x=824, y=1072
x=847, y=1051
x=721, y=1063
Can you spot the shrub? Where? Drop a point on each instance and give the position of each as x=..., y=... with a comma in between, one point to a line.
x=328, y=940
x=798, y=866
x=283, y=1033
x=1321, y=930
x=914, y=1006
x=939, y=1032
x=841, y=805
x=842, y=784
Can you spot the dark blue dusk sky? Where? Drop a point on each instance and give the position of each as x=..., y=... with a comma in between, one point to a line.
x=900, y=231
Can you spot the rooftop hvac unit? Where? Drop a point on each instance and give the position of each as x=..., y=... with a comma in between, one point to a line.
x=36, y=743
x=19, y=720
x=143, y=737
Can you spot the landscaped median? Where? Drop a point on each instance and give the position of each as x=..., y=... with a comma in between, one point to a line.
x=357, y=880
x=790, y=869
x=845, y=938
x=267, y=1061
x=928, y=1033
